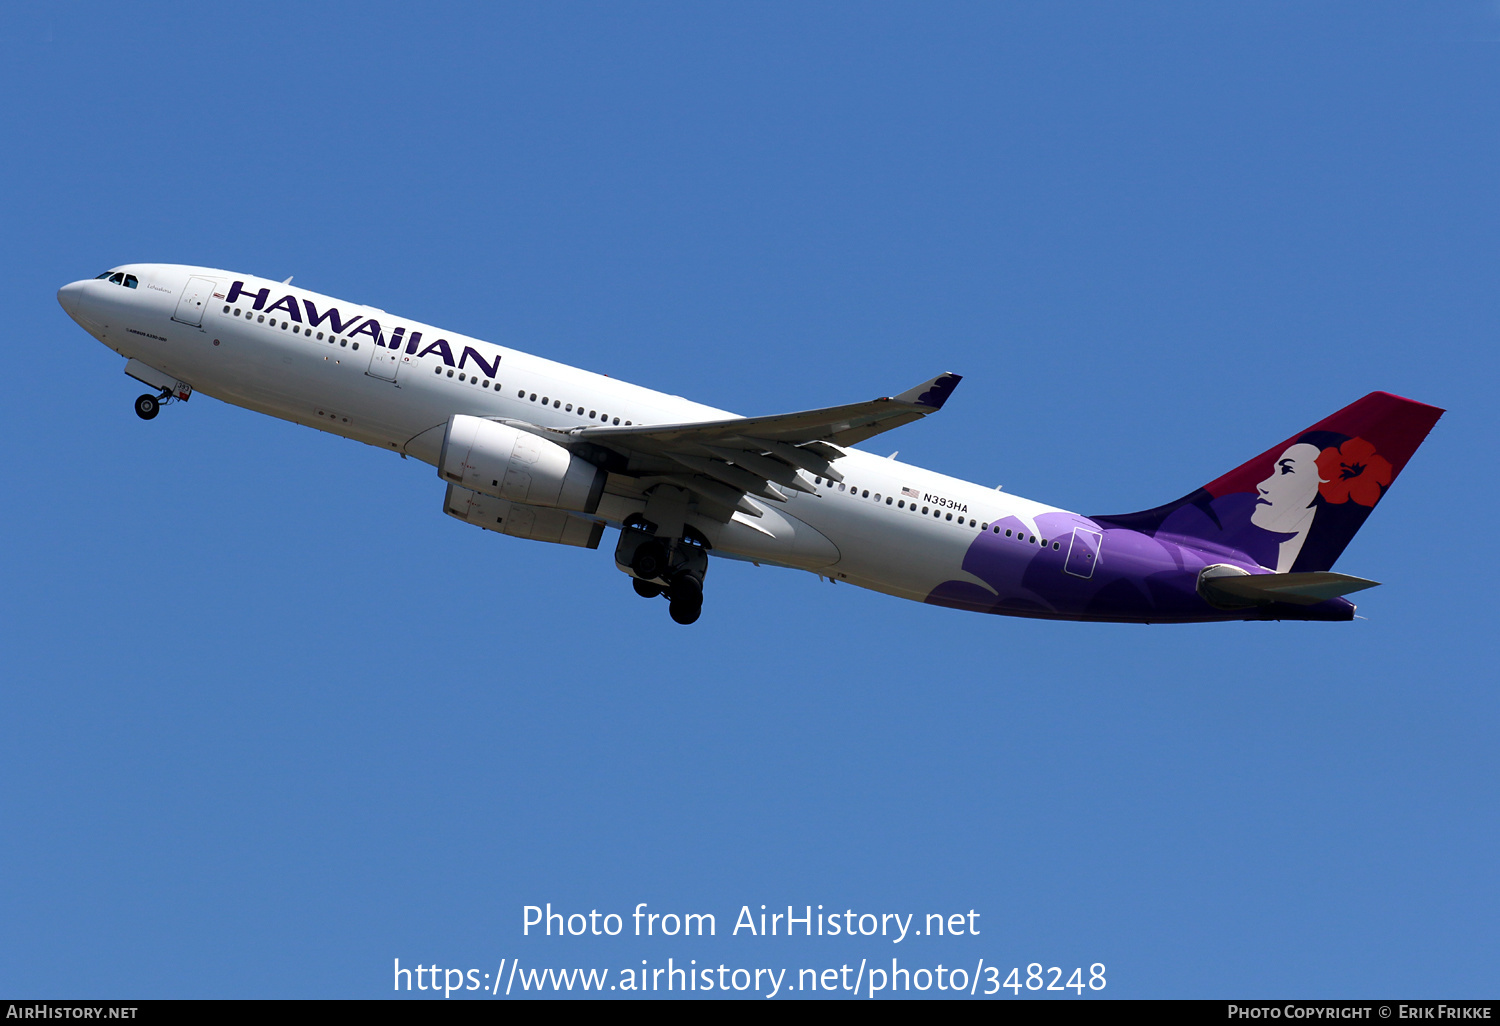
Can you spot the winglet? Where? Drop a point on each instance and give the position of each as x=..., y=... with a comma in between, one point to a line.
x=932, y=393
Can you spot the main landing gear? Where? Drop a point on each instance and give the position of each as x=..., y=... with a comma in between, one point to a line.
x=658, y=566
x=148, y=406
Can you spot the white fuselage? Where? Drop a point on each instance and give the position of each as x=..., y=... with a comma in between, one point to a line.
x=259, y=351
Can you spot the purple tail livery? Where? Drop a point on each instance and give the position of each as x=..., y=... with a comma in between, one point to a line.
x=1288, y=513
x=1297, y=505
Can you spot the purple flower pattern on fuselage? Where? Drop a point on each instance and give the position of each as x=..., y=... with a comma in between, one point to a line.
x=1137, y=577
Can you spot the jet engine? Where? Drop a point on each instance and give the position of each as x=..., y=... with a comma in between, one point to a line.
x=504, y=462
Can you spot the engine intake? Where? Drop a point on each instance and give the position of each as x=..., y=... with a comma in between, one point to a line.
x=501, y=461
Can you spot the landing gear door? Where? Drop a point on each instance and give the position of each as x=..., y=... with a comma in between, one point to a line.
x=193, y=301
x=384, y=363
x=1083, y=552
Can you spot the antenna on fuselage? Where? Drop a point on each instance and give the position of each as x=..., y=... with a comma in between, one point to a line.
x=288, y=279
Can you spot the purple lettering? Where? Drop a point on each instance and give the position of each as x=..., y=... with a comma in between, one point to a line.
x=238, y=289
x=289, y=304
x=490, y=370
x=371, y=328
x=332, y=317
x=413, y=342
x=440, y=347
x=395, y=342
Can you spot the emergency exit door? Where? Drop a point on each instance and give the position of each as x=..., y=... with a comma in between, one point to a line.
x=384, y=363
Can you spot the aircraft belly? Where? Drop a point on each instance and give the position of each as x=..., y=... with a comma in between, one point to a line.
x=776, y=537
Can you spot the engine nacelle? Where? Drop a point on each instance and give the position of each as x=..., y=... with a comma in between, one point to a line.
x=512, y=518
x=506, y=463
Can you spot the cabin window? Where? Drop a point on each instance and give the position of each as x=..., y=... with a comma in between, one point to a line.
x=889, y=500
x=570, y=407
x=556, y=404
x=260, y=318
x=438, y=370
x=924, y=511
x=343, y=342
x=591, y=415
x=901, y=504
x=226, y=309
x=950, y=516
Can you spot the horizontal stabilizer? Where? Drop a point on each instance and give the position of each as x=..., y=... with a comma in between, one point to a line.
x=1302, y=589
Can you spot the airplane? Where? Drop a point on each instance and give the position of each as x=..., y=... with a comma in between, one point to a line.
x=536, y=449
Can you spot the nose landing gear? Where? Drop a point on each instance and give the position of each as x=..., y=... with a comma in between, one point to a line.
x=658, y=566
x=148, y=406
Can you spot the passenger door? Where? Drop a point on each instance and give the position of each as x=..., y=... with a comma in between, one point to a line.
x=193, y=301
x=1083, y=552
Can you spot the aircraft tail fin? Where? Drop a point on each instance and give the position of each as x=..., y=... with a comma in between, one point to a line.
x=1296, y=506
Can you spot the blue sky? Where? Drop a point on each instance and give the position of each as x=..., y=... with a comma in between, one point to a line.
x=272, y=720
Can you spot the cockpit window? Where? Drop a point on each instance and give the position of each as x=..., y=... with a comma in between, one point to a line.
x=104, y=275
x=131, y=281
x=117, y=278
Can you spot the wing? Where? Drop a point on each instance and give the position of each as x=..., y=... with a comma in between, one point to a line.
x=724, y=461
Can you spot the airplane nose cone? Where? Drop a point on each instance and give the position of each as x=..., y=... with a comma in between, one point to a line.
x=70, y=298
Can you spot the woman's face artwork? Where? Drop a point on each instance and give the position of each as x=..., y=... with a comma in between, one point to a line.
x=1286, y=497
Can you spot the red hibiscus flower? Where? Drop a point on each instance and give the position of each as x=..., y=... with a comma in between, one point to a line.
x=1353, y=471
